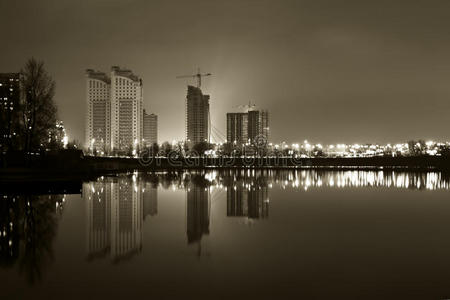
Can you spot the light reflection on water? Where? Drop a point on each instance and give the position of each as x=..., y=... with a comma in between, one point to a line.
x=429, y=181
x=117, y=207
x=312, y=178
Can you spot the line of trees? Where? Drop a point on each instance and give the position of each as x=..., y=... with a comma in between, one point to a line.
x=186, y=149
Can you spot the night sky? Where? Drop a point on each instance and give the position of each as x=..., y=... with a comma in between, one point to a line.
x=328, y=71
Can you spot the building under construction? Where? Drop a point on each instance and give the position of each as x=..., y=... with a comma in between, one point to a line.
x=258, y=125
x=248, y=127
x=197, y=115
x=237, y=127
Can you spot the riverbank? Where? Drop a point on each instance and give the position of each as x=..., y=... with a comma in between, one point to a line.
x=74, y=166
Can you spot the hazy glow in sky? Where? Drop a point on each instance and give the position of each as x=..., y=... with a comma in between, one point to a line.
x=329, y=71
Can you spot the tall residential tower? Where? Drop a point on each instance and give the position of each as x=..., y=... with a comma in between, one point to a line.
x=11, y=94
x=126, y=109
x=114, y=118
x=98, y=117
x=150, y=134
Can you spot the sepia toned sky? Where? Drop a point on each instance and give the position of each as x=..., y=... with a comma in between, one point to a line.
x=328, y=71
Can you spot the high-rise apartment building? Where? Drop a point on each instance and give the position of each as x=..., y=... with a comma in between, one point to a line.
x=197, y=115
x=98, y=117
x=237, y=127
x=150, y=127
x=126, y=109
x=10, y=97
x=114, y=118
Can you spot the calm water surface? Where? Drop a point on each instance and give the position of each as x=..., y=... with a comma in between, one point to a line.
x=231, y=234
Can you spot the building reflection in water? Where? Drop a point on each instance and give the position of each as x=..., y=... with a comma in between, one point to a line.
x=247, y=193
x=250, y=201
x=116, y=208
x=197, y=214
x=150, y=200
x=198, y=207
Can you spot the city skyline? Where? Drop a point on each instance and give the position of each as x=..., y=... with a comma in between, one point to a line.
x=239, y=149
x=324, y=72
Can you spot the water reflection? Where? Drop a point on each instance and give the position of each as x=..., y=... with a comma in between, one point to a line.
x=198, y=208
x=117, y=207
x=307, y=179
x=198, y=205
x=28, y=226
x=250, y=201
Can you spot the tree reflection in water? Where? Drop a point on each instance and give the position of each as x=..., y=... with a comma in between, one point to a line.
x=28, y=227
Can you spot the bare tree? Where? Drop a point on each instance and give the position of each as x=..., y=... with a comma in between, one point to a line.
x=38, y=107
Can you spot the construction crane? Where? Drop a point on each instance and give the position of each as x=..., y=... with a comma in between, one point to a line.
x=199, y=84
x=247, y=107
x=198, y=76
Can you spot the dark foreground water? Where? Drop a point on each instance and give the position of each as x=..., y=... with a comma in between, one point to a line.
x=231, y=235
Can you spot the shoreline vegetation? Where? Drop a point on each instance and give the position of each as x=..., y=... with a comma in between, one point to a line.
x=64, y=165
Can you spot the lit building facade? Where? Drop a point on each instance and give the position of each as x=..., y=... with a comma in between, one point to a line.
x=197, y=115
x=237, y=127
x=98, y=116
x=150, y=127
x=114, y=119
x=126, y=109
x=10, y=97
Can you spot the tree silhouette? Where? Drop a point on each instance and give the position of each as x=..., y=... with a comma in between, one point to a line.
x=38, y=107
x=202, y=147
x=166, y=148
